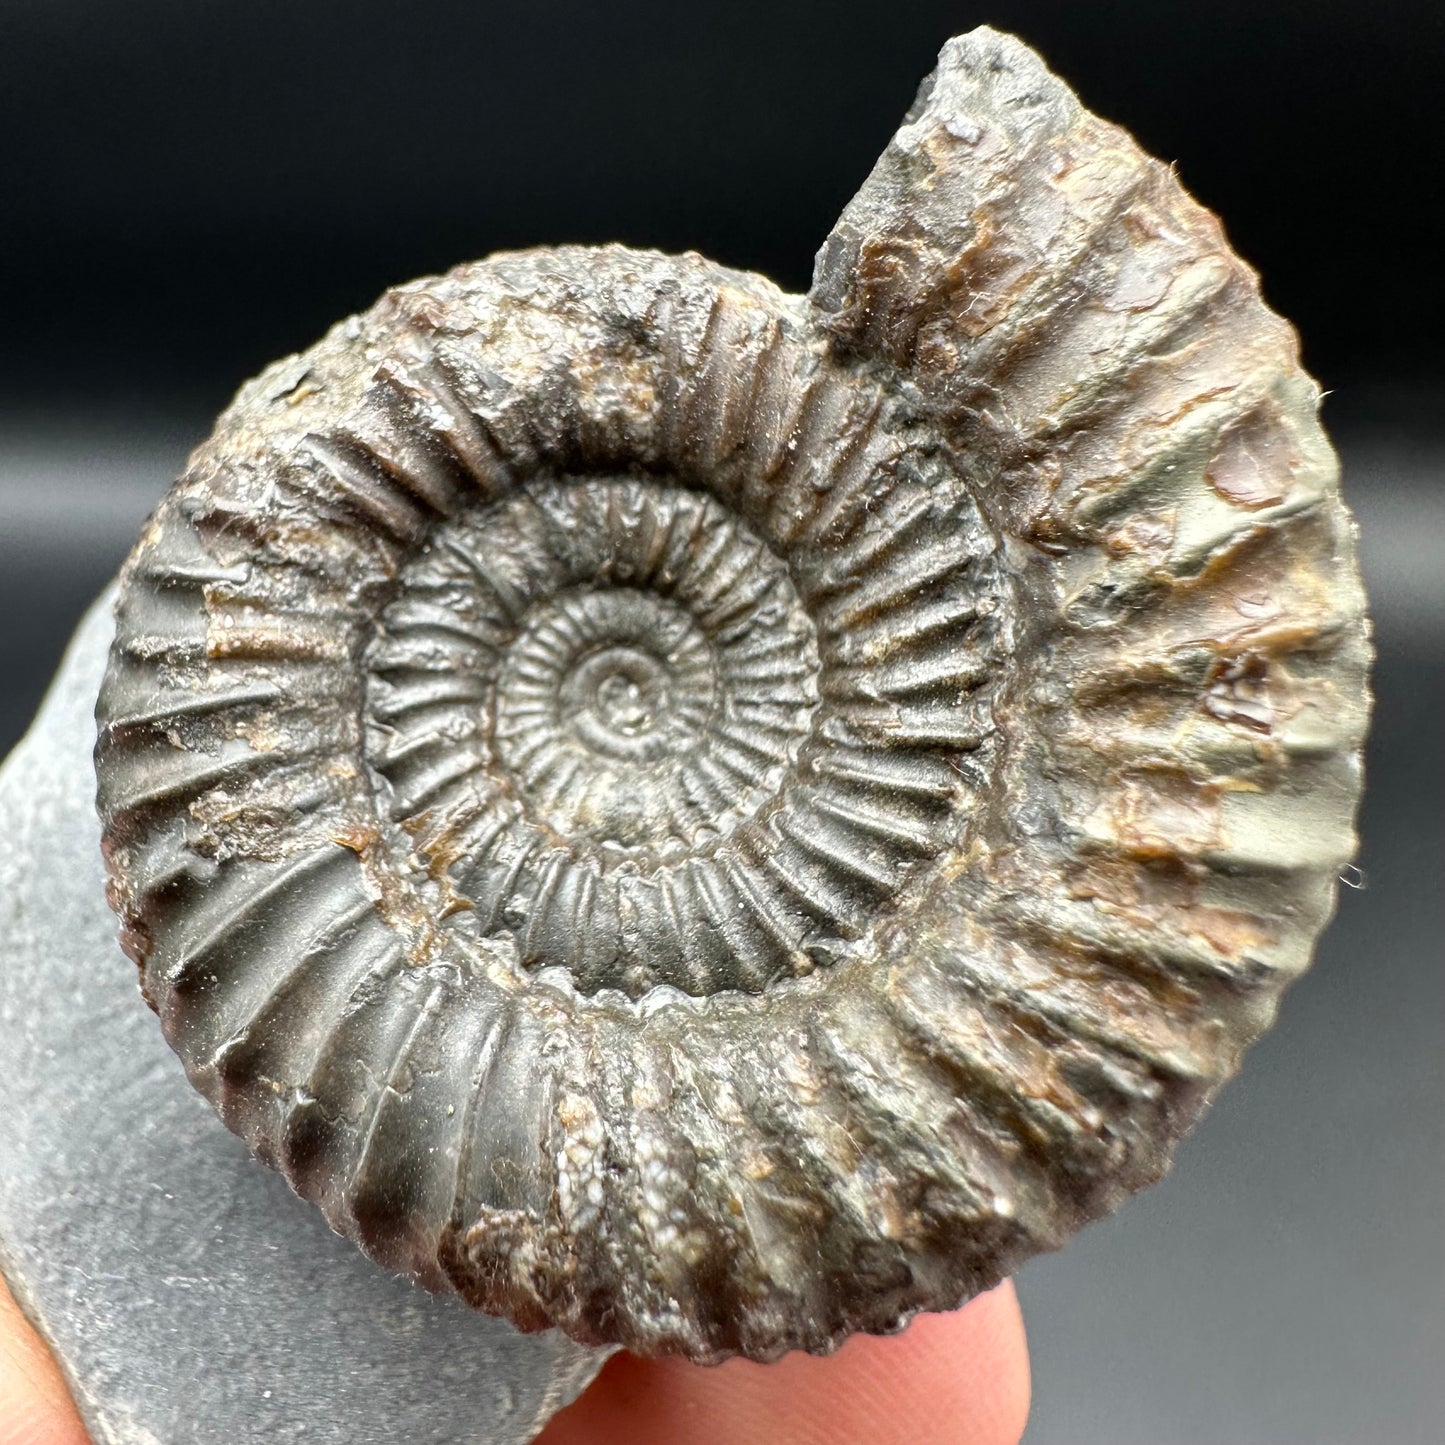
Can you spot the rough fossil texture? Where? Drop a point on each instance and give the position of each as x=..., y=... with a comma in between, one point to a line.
x=717, y=819
x=189, y=1297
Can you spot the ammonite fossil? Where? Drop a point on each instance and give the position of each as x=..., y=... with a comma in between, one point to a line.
x=716, y=819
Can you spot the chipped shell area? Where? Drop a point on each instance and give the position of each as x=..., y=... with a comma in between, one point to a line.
x=1086, y=835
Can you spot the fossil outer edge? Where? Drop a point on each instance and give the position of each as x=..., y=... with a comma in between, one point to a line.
x=717, y=819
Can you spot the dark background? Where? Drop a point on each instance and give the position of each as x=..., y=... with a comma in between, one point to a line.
x=194, y=187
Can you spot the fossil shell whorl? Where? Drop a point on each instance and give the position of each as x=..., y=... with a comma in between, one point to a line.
x=716, y=819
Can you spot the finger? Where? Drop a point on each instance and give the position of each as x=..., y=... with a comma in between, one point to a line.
x=35, y=1406
x=955, y=1379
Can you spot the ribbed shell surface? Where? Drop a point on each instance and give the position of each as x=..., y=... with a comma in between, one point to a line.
x=716, y=819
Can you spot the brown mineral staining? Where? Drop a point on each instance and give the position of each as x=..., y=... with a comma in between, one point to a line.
x=1163, y=812
x=359, y=838
x=1166, y=892
x=714, y=819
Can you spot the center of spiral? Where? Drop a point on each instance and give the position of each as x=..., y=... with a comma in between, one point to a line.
x=601, y=706
x=617, y=695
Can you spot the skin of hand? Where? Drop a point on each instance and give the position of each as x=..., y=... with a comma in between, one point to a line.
x=955, y=1379
x=35, y=1406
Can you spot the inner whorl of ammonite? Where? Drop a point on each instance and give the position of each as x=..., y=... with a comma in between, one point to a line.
x=604, y=706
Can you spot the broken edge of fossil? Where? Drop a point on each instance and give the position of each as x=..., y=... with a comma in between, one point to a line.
x=1052, y=815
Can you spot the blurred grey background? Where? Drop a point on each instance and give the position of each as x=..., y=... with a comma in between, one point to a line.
x=191, y=190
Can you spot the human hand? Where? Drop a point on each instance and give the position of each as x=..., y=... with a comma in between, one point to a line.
x=953, y=1379
x=956, y=1379
x=35, y=1406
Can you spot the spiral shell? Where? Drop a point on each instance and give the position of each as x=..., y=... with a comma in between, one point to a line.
x=717, y=819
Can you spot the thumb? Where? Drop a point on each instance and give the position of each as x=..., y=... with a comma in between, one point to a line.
x=35, y=1406
x=954, y=1379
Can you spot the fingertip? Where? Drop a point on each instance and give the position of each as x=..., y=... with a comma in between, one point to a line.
x=974, y=1365
x=954, y=1379
x=35, y=1405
